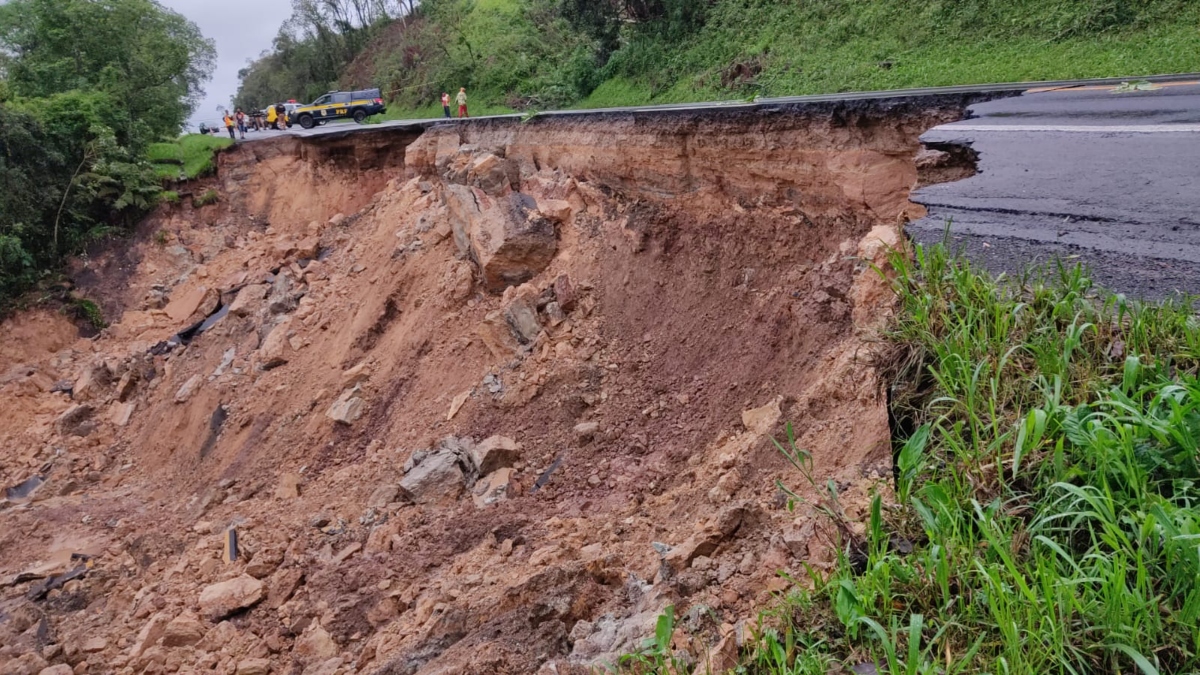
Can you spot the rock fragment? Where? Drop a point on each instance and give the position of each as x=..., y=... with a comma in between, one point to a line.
x=149, y=635
x=437, y=479
x=183, y=630
x=763, y=419
x=275, y=349
x=492, y=488
x=253, y=667
x=76, y=421
x=522, y=317
x=188, y=388
x=347, y=408
x=496, y=452
x=219, y=600
x=315, y=645
x=248, y=299
x=509, y=241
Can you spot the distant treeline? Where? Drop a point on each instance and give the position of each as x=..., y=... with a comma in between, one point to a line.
x=542, y=54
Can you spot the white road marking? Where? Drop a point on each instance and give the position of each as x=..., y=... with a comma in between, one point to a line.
x=1083, y=129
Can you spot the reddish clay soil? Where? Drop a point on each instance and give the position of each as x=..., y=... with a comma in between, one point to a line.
x=634, y=306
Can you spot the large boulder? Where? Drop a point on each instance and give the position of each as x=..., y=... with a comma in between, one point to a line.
x=437, y=479
x=508, y=239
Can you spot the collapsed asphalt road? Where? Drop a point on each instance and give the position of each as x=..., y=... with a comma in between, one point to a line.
x=1092, y=175
x=1088, y=172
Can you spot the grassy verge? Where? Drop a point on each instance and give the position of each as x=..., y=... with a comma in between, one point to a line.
x=435, y=111
x=190, y=156
x=1047, y=512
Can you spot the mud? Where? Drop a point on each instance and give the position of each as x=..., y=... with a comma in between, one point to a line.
x=692, y=283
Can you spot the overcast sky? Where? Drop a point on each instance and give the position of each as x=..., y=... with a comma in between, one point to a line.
x=242, y=29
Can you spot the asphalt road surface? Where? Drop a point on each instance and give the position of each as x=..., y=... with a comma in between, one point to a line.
x=1088, y=175
x=1077, y=171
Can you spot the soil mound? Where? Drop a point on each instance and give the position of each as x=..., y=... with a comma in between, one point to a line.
x=484, y=399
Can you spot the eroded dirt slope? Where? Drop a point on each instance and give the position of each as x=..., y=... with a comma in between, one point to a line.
x=482, y=400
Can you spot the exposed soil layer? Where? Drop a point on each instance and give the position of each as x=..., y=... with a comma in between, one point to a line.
x=480, y=400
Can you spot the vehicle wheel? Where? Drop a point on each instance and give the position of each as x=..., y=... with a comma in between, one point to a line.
x=360, y=115
x=306, y=121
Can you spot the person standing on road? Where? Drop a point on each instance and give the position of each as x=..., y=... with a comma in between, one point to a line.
x=446, y=104
x=229, y=125
x=281, y=116
x=462, y=103
x=240, y=118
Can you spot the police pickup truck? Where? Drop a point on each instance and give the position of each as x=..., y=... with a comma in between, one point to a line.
x=357, y=105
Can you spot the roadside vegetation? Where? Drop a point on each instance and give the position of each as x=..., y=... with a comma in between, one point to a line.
x=545, y=54
x=85, y=89
x=1046, y=517
x=188, y=157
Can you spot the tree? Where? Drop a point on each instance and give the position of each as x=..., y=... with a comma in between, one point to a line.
x=151, y=61
x=85, y=86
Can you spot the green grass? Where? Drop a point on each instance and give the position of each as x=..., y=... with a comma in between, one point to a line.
x=435, y=111
x=827, y=46
x=209, y=196
x=190, y=156
x=814, y=65
x=1048, y=485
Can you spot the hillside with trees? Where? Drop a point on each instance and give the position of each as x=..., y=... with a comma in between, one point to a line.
x=543, y=54
x=85, y=88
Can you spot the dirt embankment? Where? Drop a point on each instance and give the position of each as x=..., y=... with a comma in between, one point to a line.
x=484, y=399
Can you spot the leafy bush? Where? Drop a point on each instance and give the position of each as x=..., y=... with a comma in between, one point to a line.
x=88, y=86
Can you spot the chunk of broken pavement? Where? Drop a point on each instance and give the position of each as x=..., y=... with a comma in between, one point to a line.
x=496, y=452
x=224, y=598
x=436, y=480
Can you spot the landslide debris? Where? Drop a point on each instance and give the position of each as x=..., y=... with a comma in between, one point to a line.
x=484, y=400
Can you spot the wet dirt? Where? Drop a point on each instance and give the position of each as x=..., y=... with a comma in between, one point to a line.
x=694, y=283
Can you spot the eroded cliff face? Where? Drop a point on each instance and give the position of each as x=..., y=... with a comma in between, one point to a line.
x=482, y=399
